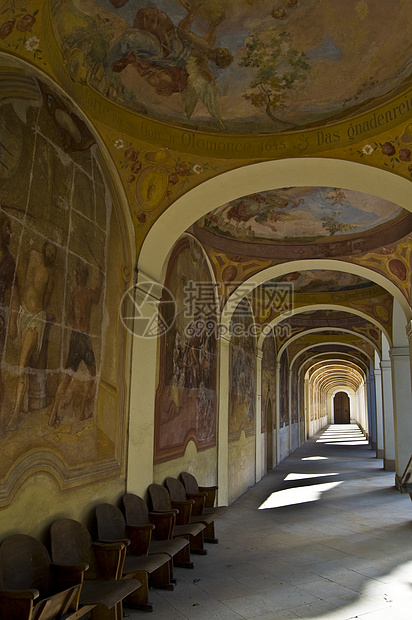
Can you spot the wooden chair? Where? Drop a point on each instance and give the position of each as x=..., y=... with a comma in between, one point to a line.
x=162, y=502
x=103, y=586
x=137, y=513
x=192, y=488
x=151, y=570
x=32, y=587
x=178, y=494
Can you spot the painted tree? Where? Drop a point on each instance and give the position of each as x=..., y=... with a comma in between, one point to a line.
x=278, y=69
x=333, y=226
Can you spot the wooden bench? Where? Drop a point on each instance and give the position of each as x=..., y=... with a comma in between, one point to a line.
x=162, y=502
x=103, y=586
x=178, y=494
x=163, y=540
x=32, y=587
x=151, y=570
x=209, y=493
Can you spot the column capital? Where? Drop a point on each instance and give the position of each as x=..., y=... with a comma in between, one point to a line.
x=399, y=352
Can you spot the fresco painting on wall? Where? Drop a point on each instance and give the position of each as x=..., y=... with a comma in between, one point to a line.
x=186, y=399
x=236, y=66
x=284, y=396
x=268, y=380
x=294, y=387
x=53, y=253
x=242, y=373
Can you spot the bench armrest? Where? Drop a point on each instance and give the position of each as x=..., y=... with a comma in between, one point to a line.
x=110, y=557
x=17, y=604
x=199, y=502
x=164, y=525
x=66, y=576
x=185, y=511
x=211, y=495
x=140, y=537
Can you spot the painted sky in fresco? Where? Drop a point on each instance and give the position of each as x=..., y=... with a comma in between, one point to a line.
x=324, y=281
x=300, y=214
x=286, y=63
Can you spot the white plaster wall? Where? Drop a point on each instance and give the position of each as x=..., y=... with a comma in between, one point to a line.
x=316, y=425
x=201, y=464
x=241, y=466
x=295, y=436
x=263, y=458
x=284, y=449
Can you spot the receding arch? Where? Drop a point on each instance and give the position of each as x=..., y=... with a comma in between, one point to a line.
x=305, y=265
x=312, y=307
x=260, y=177
x=318, y=330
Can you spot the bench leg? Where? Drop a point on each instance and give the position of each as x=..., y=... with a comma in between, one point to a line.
x=139, y=599
x=160, y=578
x=100, y=612
x=182, y=558
x=209, y=534
x=196, y=544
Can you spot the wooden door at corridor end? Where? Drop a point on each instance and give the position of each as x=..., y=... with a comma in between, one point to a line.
x=341, y=408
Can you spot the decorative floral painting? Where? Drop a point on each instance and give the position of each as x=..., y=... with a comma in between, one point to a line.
x=238, y=66
x=186, y=399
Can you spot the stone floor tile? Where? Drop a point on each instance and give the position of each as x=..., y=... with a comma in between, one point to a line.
x=347, y=555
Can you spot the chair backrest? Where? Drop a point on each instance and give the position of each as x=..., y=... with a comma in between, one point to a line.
x=110, y=522
x=24, y=564
x=135, y=509
x=190, y=482
x=160, y=497
x=176, y=489
x=71, y=543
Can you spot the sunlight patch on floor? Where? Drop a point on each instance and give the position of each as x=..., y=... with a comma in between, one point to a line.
x=298, y=495
x=306, y=476
x=343, y=435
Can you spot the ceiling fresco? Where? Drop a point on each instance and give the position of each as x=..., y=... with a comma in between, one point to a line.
x=302, y=214
x=244, y=66
x=324, y=281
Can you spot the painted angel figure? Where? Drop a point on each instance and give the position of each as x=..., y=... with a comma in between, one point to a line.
x=172, y=59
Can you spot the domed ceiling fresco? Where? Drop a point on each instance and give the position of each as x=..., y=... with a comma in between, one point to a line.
x=292, y=221
x=244, y=66
x=324, y=281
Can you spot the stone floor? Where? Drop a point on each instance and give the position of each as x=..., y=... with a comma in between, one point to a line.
x=324, y=536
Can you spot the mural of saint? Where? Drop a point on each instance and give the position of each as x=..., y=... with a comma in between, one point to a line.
x=80, y=349
x=8, y=283
x=32, y=318
x=242, y=374
x=186, y=399
x=55, y=235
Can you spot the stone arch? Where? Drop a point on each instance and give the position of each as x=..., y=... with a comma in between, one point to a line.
x=260, y=177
